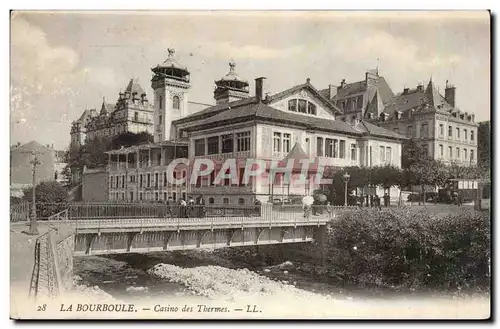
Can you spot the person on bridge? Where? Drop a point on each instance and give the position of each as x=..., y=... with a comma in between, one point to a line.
x=170, y=202
x=183, y=208
x=191, y=208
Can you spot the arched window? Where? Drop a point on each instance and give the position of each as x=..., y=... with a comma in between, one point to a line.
x=241, y=201
x=176, y=103
x=211, y=200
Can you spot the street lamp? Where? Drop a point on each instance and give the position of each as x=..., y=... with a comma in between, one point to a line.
x=346, y=180
x=33, y=223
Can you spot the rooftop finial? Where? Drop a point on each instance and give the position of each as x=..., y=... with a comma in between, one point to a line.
x=232, y=65
x=171, y=52
x=378, y=64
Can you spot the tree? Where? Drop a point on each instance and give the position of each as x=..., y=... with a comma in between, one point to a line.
x=129, y=138
x=484, y=148
x=426, y=172
x=412, y=152
x=51, y=198
x=93, y=152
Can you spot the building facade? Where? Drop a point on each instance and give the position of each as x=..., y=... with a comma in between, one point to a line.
x=298, y=121
x=447, y=133
x=131, y=113
x=422, y=113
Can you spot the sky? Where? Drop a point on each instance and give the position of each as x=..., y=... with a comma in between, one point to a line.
x=65, y=62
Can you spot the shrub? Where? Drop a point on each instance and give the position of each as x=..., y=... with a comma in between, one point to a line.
x=410, y=249
x=51, y=198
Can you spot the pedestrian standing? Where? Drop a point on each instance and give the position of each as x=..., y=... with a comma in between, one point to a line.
x=201, y=207
x=387, y=199
x=170, y=202
x=183, y=208
x=190, y=208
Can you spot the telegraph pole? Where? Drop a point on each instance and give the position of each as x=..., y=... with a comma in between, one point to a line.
x=33, y=223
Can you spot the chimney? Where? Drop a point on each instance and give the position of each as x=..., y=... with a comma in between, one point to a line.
x=333, y=91
x=420, y=87
x=449, y=94
x=405, y=91
x=259, y=89
x=342, y=83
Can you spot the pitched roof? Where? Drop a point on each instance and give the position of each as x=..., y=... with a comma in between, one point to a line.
x=134, y=87
x=256, y=111
x=374, y=130
x=417, y=98
x=83, y=117
x=212, y=110
x=360, y=87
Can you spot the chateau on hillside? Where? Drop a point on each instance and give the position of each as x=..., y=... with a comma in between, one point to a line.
x=131, y=113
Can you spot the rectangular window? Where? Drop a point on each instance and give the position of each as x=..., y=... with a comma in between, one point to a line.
x=458, y=133
x=123, y=181
x=292, y=105
x=382, y=153
x=111, y=181
x=450, y=131
x=388, y=154
x=131, y=195
x=424, y=130
x=441, y=150
x=319, y=146
x=277, y=142
x=342, y=149
x=335, y=148
x=160, y=119
x=465, y=134
x=353, y=152
x=458, y=153
x=227, y=143
x=286, y=142
x=174, y=196
x=471, y=155
x=426, y=148
x=472, y=135
x=465, y=154
x=156, y=179
x=156, y=196
x=311, y=108
x=165, y=179
x=441, y=129
x=199, y=147
x=148, y=184
x=409, y=132
x=213, y=145
x=329, y=147
x=243, y=141
x=140, y=180
x=140, y=196
x=302, y=106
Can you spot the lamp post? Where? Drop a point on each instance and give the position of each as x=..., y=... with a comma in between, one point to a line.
x=346, y=180
x=33, y=223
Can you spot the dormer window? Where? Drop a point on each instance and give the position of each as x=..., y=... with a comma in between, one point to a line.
x=302, y=106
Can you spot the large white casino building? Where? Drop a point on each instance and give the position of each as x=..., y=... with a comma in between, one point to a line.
x=296, y=123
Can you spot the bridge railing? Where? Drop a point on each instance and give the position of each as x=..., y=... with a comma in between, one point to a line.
x=153, y=211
